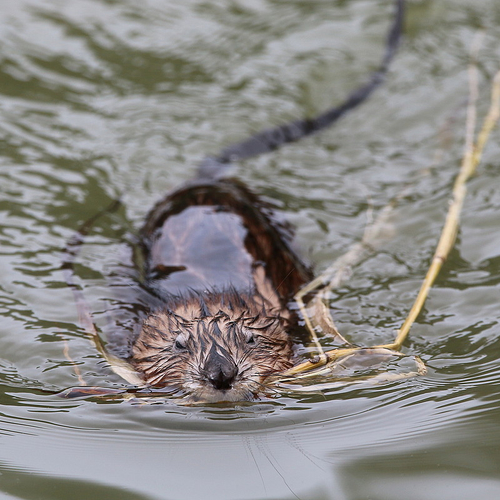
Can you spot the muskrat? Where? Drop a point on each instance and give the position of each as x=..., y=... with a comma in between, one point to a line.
x=224, y=268
x=224, y=271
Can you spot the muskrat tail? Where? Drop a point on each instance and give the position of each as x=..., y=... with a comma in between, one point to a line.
x=271, y=139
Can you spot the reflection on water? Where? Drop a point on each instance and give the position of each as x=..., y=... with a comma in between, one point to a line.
x=100, y=98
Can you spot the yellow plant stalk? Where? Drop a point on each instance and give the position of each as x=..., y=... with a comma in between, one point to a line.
x=472, y=157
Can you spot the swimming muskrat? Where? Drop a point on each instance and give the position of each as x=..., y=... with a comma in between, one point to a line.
x=224, y=271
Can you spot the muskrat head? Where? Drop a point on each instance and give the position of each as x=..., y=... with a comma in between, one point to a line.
x=212, y=351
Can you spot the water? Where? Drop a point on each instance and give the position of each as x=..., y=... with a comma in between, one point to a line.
x=100, y=98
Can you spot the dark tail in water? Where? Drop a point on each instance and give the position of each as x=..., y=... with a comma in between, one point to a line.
x=271, y=139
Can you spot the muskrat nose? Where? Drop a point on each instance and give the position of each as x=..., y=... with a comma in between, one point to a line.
x=222, y=380
x=219, y=370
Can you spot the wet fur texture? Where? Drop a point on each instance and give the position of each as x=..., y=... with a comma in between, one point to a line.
x=214, y=345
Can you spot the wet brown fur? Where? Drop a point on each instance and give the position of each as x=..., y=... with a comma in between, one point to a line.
x=225, y=321
x=223, y=326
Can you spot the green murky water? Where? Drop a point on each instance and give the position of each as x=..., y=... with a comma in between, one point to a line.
x=103, y=97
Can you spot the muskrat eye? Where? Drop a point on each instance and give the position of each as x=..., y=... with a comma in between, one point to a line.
x=250, y=337
x=180, y=342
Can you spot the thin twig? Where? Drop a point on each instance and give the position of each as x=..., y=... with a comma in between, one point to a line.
x=119, y=366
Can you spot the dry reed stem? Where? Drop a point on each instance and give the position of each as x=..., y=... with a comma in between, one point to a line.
x=472, y=156
x=76, y=369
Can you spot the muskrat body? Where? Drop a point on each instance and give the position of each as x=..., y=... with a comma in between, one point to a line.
x=224, y=268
